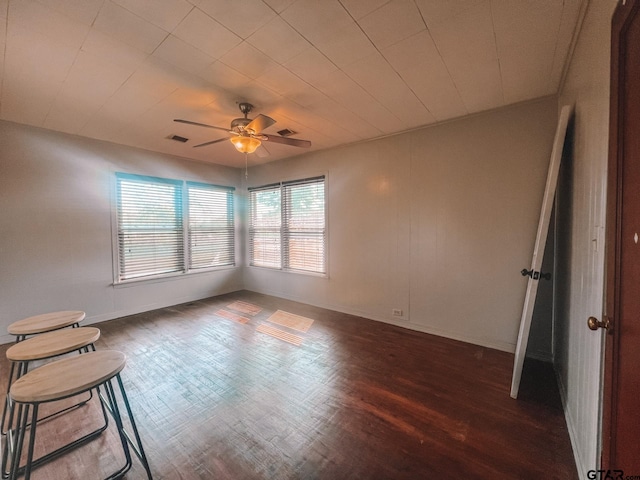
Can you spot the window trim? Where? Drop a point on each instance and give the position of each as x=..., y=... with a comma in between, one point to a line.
x=186, y=271
x=280, y=184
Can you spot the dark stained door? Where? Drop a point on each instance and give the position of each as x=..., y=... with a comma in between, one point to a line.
x=621, y=406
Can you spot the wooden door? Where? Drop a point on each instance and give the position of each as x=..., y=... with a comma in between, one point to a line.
x=621, y=402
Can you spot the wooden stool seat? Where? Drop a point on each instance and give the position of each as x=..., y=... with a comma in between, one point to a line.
x=68, y=377
x=45, y=322
x=52, y=344
x=41, y=347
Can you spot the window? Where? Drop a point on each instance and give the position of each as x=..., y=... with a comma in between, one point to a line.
x=287, y=226
x=168, y=227
x=211, y=228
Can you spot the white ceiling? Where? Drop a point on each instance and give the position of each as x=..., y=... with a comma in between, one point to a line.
x=336, y=71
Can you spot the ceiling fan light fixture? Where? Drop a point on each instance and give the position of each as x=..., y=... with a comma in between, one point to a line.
x=245, y=144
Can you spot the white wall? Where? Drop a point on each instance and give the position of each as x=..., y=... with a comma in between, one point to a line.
x=581, y=221
x=55, y=227
x=437, y=222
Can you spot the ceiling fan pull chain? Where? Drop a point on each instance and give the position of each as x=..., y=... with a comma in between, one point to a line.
x=246, y=166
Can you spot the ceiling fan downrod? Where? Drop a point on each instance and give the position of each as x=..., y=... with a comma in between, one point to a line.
x=245, y=108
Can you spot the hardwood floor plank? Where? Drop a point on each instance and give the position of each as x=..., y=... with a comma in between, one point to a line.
x=280, y=334
x=245, y=307
x=361, y=399
x=232, y=316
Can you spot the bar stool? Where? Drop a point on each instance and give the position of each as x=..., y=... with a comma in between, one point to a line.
x=66, y=378
x=39, y=348
x=45, y=322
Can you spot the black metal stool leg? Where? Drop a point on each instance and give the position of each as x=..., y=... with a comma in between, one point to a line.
x=137, y=448
x=23, y=419
x=115, y=412
x=72, y=445
x=11, y=437
x=7, y=399
x=32, y=442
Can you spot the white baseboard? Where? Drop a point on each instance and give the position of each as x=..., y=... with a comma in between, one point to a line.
x=496, y=345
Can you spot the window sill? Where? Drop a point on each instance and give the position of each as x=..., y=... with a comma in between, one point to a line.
x=168, y=277
x=294, y=272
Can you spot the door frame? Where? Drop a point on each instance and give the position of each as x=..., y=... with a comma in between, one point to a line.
x=620, y=21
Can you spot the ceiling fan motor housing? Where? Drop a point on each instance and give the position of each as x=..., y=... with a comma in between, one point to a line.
x=238, y=124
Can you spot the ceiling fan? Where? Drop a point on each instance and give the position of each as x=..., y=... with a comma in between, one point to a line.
x=246, y=133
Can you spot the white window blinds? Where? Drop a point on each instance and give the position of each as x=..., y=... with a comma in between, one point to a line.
x=287, y=226
x=150, y=235
x=265, y=227
x=169, y=227
x=211, y=228
x=303, y=216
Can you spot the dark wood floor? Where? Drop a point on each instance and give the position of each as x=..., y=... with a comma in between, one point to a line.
x=358, y=399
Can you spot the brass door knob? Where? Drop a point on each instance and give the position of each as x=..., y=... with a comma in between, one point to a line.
x=595, y=324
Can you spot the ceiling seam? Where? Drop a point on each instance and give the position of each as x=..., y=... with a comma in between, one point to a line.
x=148, y=55
x=62, y=85
x=4, y=52
x=572, y=46
x=455, y=85
x=387, y=61
x=555, y=50
x=93, y=22
x=337, y=68
x=495, y=43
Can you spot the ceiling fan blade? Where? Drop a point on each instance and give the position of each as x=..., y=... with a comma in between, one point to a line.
x=259, y=123
x=188, y=122
x=210, y=143
x=294, y=142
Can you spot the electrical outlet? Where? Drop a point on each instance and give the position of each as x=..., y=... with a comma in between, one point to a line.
x=396, y=312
